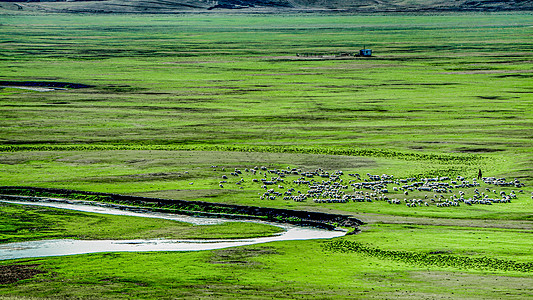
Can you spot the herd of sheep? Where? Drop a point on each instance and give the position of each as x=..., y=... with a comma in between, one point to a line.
x=320, y=186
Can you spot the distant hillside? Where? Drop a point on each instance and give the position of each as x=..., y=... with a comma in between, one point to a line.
x=274, y=6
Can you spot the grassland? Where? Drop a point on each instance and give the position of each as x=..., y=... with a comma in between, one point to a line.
x=174, y=95
x=226, y=81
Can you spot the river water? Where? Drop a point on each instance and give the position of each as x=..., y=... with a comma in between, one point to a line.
x=72, y=247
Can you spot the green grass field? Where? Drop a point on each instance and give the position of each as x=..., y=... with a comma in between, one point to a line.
x=173, y=95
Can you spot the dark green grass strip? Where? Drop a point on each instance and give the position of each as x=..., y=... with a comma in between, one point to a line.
x=444, y=158
x=430, y=259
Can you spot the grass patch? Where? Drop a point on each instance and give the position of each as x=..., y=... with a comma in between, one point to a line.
x=432, y=258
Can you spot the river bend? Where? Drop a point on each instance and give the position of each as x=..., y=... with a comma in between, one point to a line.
x=71, y=247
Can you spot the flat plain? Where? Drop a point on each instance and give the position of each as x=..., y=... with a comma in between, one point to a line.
x=168, y=97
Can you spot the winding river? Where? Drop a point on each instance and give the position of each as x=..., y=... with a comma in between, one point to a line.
x=72, y=247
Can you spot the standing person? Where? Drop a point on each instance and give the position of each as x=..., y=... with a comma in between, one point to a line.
x=479, y=176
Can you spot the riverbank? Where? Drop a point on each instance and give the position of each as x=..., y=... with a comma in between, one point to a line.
x=80, y=227
x=196, y=208
x=34, y=221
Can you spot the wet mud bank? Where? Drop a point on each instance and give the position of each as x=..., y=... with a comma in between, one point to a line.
x=195, y=208
x=13, y=273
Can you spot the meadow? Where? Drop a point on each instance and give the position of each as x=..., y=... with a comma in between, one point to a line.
x=171, y=96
